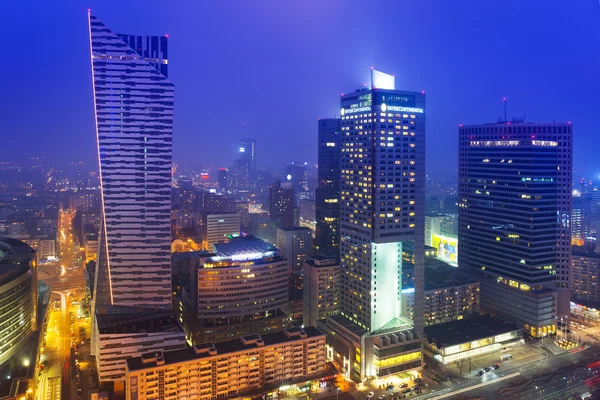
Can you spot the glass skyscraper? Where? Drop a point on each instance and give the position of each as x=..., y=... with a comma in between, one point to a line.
x=514, y=219
x=327, y=194
x=381, y=207
x=133, y=104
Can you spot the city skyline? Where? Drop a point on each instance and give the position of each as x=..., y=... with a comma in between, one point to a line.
x=458, y=93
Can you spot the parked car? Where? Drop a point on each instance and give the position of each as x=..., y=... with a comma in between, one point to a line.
x=495, y=366
x=370, y=395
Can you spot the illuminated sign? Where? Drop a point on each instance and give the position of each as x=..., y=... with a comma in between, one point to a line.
x=246, y=256
x=355, y=110
x=242, y=150
x=409, y=290
x=447, y=248
x=385, y=107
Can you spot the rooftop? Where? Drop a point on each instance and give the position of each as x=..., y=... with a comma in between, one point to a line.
x=15, y=258
x=210, y=349
x=442, y=275
x=467, y=330
x=323, y=261
x=137, y=322
x=294, y=228
x=242, y=245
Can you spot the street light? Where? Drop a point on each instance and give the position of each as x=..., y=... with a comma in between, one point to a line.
x=337, y=393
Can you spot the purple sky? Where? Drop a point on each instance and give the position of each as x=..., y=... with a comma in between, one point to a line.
x=279, y=66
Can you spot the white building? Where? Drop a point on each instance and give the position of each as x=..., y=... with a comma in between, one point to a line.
x=47, y=249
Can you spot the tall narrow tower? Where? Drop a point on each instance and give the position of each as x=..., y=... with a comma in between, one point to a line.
x=133, y=105
x=381, y=207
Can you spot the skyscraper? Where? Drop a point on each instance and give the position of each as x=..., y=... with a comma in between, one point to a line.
x=282, y=206
x=133, y=104
x=297, y=175
x=328, y=187
x=248, y=153
x=222, y=179
x=514, y=219
x=382, y=206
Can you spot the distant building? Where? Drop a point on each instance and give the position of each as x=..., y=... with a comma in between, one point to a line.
x=282, y=204
x=217, y=203
x=295, y=244
x=90, y=243
x=327, y=194
x=222, y=179
x=514, y=219
x=236, y=289
x=231, y=369
x=248, y=153
x=321, y=290
x=47, y=249
x=441, y=232
x=217, y=227
x=585, y=275
x=297, y=174
x=468, y=338
x=123, y=336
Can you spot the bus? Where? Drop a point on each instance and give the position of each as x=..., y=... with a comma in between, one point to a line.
x=505, y=357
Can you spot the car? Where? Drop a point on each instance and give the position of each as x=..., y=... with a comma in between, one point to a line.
x=418, y=380
x=481, y=372
x=495, y=366
x=370, y=395
x=487, y=369
x=404, y=385
x=390, y=387
x=383, y=396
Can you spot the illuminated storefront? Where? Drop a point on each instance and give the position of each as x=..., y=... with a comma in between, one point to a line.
x=459, y=340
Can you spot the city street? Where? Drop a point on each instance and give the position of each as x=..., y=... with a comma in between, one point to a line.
x=66, y=282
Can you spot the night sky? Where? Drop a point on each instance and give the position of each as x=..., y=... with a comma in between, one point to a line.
x=279, y=66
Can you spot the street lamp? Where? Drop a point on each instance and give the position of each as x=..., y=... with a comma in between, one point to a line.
x=337, y=393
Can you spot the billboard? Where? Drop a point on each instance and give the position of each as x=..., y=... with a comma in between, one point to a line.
x=380, y=80
x=447, y=248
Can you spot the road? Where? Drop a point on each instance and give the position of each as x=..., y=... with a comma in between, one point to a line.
x=67, y=282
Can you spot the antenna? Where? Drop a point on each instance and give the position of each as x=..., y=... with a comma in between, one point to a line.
x=504, y=99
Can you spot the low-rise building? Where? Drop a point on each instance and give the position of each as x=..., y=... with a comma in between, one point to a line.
x=321, y=289
x=47, y=249
x=464, y=339
x=449, y=296
x=228, y=369
x=118, y=337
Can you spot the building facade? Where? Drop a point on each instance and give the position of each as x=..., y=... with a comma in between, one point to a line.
x=248, y=153
x=327, y=194
x=133, y=105
x=296, y=245
x=239, y=288
x=230, y=369
x=282, y=204
x=514, y=219
x=117, y=338
x=18, y=296
x=585, y=281
x=381, y=206
x=217, y=227
x=321, y=291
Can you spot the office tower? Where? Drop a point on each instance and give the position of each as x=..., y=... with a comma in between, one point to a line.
x=295, y=244
x=222, y=179
x=248, y=153
x=282, y=205
x=297, y=175
x=236, y=288
x=218, y=228
x=240, y=175
x=514, y=217
x=382, y=205
x=321, y=289
x=133, y=104
x=287, y=363
x=328, y=187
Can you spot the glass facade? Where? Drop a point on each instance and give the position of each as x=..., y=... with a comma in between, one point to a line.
x=514, y=217
x=133, y=104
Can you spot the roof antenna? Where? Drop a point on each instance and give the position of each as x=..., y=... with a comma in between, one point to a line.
x=504, y=99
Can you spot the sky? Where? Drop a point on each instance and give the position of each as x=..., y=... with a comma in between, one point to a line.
x=270, y=68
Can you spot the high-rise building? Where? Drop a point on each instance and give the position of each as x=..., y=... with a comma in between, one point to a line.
x=248, y=152
x=328, y=188
x=585, y=275
x=222, y=179
x=382, y=205
x=241, y=175
x=321, y=289
x=133, y=104
x=297, y=174
x=514, y=219
x=296, y=245
x=282, y=205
